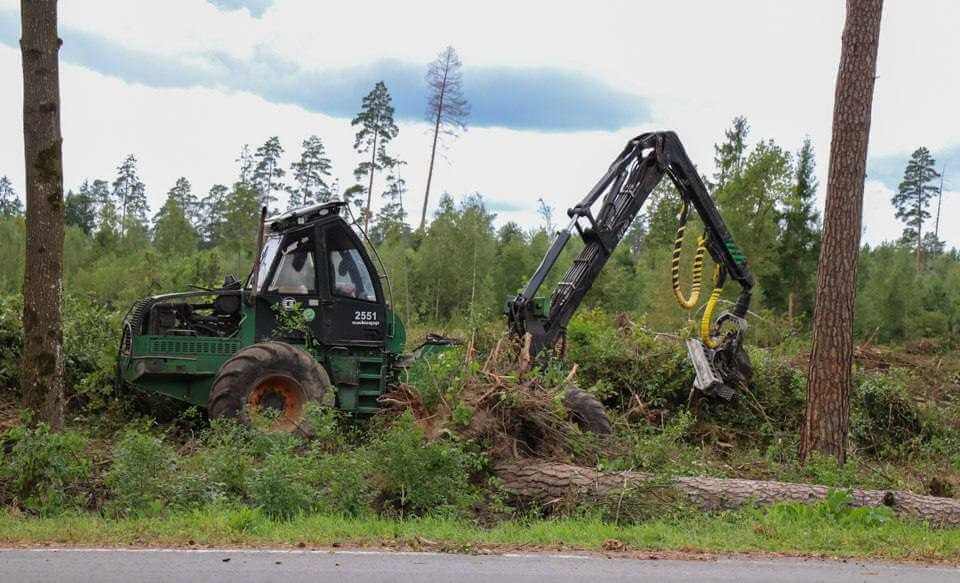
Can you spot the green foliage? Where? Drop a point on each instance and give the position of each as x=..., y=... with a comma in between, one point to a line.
x=914, y=194
x=280, y=487
x=836, y=509
x=11, y=342
x=173, y=233
x=311, y=173
x=141, y=474
x=438, y=376
x=664, y=450
x=884, y=419
x=417, y=478
x=44, y=471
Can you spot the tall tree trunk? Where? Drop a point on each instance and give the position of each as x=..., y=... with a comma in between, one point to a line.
x=936, y=228
x=831, y=359
x=42, y=380
x=920, y=229
x=791, y=307
x=373, y=167
x=433, y=150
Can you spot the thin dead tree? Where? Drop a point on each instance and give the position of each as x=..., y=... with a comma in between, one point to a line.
x=447, y=108
x=831, y=360
x=42, y=373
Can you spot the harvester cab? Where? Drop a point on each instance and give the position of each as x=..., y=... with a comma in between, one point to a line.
x=311, y=316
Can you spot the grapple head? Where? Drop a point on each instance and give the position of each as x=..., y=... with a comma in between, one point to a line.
x=720, y=371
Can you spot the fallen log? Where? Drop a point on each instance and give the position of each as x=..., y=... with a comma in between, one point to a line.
x=544, y=481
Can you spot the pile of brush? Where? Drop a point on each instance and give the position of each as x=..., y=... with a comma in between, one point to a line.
x=499, y=401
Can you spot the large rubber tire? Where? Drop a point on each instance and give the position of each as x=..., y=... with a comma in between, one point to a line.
x=269, y=375
x=587, y=412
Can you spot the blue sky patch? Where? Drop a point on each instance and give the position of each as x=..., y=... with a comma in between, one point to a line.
x=525, y=98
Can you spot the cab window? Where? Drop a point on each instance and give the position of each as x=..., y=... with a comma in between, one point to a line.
x=349, y=275
x=297, y=271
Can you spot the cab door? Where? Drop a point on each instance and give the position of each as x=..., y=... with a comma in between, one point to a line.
x=353, y=309
x=292, y=283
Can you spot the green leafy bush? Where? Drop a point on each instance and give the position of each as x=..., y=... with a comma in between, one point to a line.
x=142, y=474
x=439, y=376
x=343, y=483
x=281, y=487
x=45, y=471
x=416, y=478
x=884, y=420
x=11, y=342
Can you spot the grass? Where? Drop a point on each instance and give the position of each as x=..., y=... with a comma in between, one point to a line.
x=787, y=529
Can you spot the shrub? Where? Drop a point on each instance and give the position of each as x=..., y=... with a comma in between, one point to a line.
x=438, y=376
x=324, y=428
x=664, y=449
x=281, y=487
x=416, y=478
x=11, y=342
x=142, y=473
x=45, y=471
x=884, y=419
x=343, y=483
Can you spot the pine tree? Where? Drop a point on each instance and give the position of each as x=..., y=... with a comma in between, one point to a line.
x=392, y=217
x=830, y=374
x=131, y=196
x=377, y=128
x=799, y=244
x=42, y=365
x=10, y=205
x=447, y=108
x=241, y=219
x=80, y=208
x=913, y=197
x=108, y=225
x=182, y=192
x=730, y=155
x=214, y=207
x=267, y=172
x=311, y=173
x=173, y=234
x=246, y=165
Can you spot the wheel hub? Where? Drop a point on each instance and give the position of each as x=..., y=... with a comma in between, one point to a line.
x=279, y=396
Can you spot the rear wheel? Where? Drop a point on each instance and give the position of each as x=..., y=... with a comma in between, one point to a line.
x=271, y=378
x=587, y=412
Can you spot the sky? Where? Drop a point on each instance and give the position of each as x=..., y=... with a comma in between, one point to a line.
x=555, y=89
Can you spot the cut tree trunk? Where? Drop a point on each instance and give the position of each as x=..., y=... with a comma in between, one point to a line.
x=42, y=380
x=831, y=360
x=544, y=481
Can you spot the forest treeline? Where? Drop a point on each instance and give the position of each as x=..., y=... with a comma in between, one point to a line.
x=459, y=269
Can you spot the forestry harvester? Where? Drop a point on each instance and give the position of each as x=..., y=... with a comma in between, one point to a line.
x=233, y=349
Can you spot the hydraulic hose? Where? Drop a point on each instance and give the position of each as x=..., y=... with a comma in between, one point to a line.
x=691, y=302
x=707, y=321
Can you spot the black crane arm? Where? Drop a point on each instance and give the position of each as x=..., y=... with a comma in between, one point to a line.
x=624, y=188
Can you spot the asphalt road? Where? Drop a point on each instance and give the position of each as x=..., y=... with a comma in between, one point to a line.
x=129, y=565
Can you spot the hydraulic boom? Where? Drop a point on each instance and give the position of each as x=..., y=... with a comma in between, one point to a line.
x=719, y=361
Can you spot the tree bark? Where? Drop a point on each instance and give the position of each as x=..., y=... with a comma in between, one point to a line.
x=42, y=373
x=433, y=149
x=830, y=375
x=543, y=481
x=373, y=168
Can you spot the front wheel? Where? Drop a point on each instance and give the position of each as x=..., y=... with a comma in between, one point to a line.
x=270, y=377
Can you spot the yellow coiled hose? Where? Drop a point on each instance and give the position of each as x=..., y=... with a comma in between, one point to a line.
x=707, y=321
x=689, y=303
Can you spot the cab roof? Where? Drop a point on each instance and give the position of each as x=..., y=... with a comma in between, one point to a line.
x=304, y=215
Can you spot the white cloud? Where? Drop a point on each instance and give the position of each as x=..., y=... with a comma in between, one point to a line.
x=699, y=63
